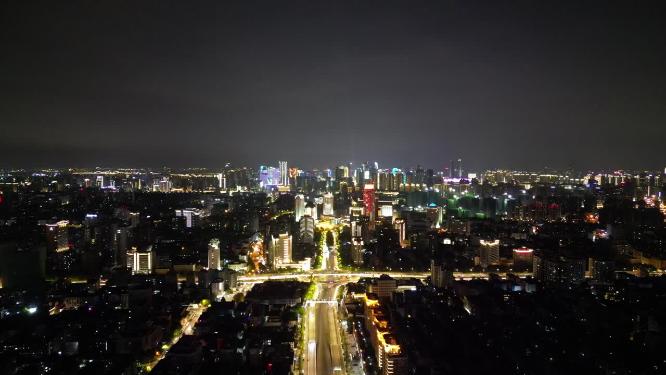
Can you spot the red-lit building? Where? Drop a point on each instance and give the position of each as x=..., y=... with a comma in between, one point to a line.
x=523, y=259
x=369, y=202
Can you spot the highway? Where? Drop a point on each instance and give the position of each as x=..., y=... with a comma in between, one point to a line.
x=324, y=349
x=322, y=330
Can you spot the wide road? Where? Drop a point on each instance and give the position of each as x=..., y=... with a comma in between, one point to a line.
x=324, y=350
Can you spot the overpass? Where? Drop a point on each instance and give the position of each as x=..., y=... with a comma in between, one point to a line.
x=337, y=275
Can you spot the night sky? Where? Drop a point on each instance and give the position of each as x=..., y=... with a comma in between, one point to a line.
x=512, y=84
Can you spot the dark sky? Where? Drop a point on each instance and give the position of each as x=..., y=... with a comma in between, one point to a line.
x=516, y=84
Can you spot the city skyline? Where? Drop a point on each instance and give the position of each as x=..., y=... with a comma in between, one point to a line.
x=345, y=271
x=272, y=173
x=306, y=187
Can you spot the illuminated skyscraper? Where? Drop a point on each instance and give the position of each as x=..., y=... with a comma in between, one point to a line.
x=269, y=176
x=419, y=175
x=140, y=262
x=280, y=249
x=369, y=202
x=386, y=210
x=328, y=204
x=430, y=178
x=385, y=181
x=165, y=185
x=398, y=179
x=434, y=215
x=440, y=275
x=306, y=230
x=311, y=210
x=299, y=207
x=399, y=226
x=57, y=235
x=214, y=254
x=221, y=181
x=341, y=172
x=357, y=251
x=395, y=361
x=358, y=177
x=460, y=170
x=191, y=216
x=355, y=215
x=120, y=244
x=284, y=173
x=489, y=252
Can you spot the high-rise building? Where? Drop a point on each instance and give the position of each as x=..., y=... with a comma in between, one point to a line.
x=280, y=249
x=311, y=210
x=440, y=275
x=369, y=202
x=419, y=175
x=342, y=172
x=489, y=252
x=356, y=211
x=430, y=178
x=328, y=205
x=572, y=269
x=357, y=251
x=269, y=177
x=434, y=215
x=523, y=258
x=165, y=185
x=293, y=173
x=390, y=358
x=190, y=215
x=120, y=244
x=221, y=181
x=398, y=180
x=57, y=235
x=137, y=184
x=140, y=262
x=460, y=168
x=306, y=230
x=394, y=359
x=384, y=180
x=299, y=207
x=399, y=226
x=214, y=254
x=284, y=173
x=356, y=215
